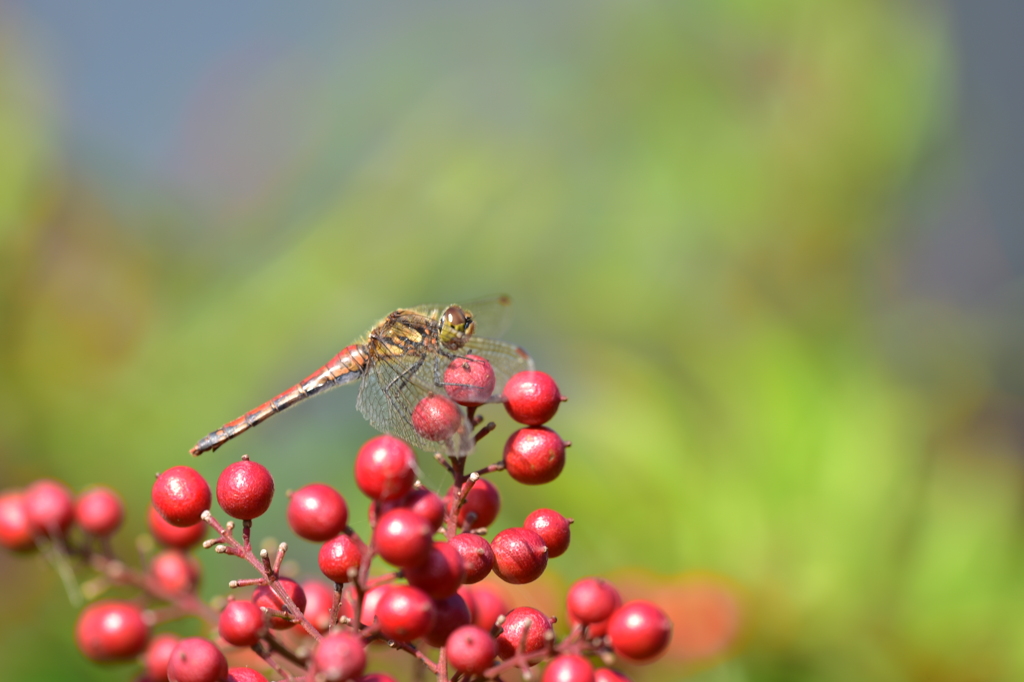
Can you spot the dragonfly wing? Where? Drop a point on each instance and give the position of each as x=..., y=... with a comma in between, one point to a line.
x=392, y=387
x=506, y=358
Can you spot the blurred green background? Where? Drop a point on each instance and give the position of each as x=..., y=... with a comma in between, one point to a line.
x=751, y=240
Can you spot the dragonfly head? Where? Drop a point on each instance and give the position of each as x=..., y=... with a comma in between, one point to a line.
x=456, y=326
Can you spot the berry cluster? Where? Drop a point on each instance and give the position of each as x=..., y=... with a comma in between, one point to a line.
x=429, y=598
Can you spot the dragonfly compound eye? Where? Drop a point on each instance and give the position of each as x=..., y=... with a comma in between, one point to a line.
x=455, y=324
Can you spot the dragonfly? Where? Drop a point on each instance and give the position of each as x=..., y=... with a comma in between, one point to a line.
x=398, y=363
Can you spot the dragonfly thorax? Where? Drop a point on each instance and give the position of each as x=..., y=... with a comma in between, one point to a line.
x=456, y=326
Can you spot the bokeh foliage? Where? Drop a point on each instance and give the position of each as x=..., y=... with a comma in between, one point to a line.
x=694, y=207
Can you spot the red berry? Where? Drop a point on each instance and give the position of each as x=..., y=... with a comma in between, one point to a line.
x=241, y=623
x=609, y=675
x=531, y=397
x=181, y=495
x=15, y=529
x=569, y=668
x=476, y=553
x=319, y=598
x=524, y=625
x=376, y=677
x=469, y=380
x=158, y=655
x=339, y=656
x=370, y=601
x=639, y=630
x=480, y=507
x=245, y=489
x=405, y=613
x=174, y=536
x=519, y=555
x=485, y=605
x=99, y=511
x=403, y=537
x=424, y=502
x=553, y=529
x=451, y=613
x=600, y=628
x=49, y=507
x=436, y=418
x=197, y=660
x=591, y=600
x=385, y=468
x=245, y=675
x=317, y=512
x=440, y=574
x=534, y=455
x=338, y=557
x=174, y=572
x=263, y=596
x=111, y=631
x=471, y=650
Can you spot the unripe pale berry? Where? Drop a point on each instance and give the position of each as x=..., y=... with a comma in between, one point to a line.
x=519, y=555
x=523, y=625
x=317, y=512
x=531, y=397
x=181, y=495
x=196, y=659
x=245, y=489
x=639, y=630
x=471, y=649
x=385, y=468
x=534, y=455
x=111, y=631
x=99, y=511
x=553, y=529
x=436, y=418
x=49, y=507
x=469, y=380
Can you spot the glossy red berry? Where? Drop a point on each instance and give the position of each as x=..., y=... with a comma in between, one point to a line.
x=471, y=650
x=265, y=597
x=485, y=605
x=441, y=573
x=376, y=677
x=174, y=536
x=174, y=572
x=370, y=600
x=639, y=630
x=339, y=656
x=600, y=628
x=403, y=538
x=158, y=655
x=591, y=600
x=181, y=495
x=524, y=626
x=553, y=529
x=245, y=675
x=245, y=489
x=424, y=502
x=531, y=397
x=436, y=418
x=241, y=623
x=197, y=660
x=534, y=455
x=15, y=529
x=480, y=507
x=317, y=512
x=469, y=380
x=338, y=556
x=451, y=613
x=49, y=507
x=476, y=554
x=319, y=598
x=405, y=613
x=609, y=675
x=385, y=468
x=99, y=511
x=569, y=668
x=111, y=631
x=519, y=555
